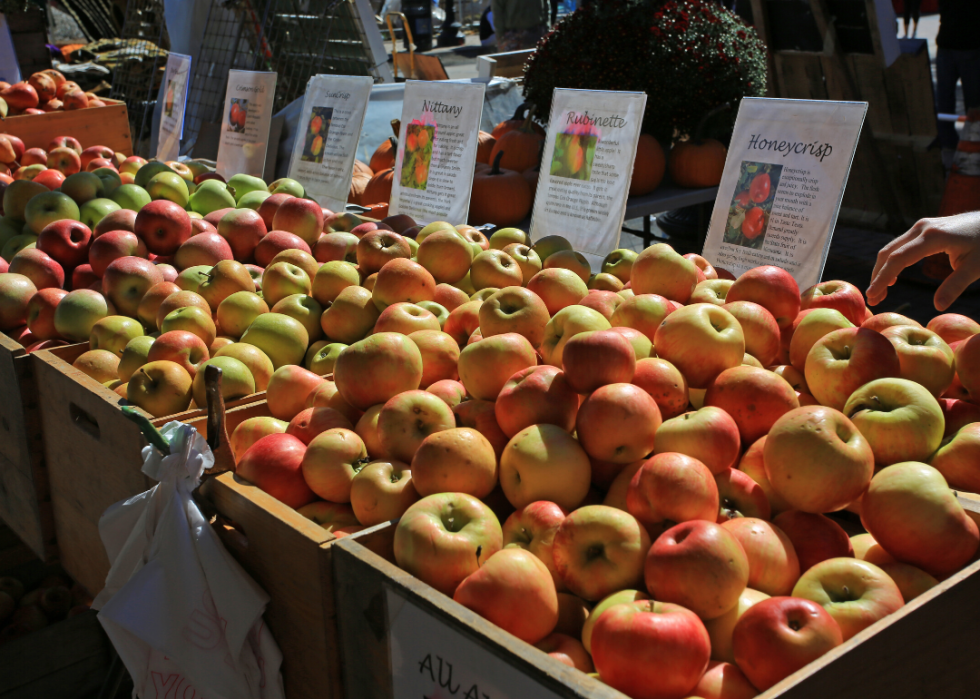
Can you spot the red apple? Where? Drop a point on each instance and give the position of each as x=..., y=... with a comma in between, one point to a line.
x=671, y=488
x=163, y=226
x=617, y=423
x=533, y=527
x=597, y=358
x=773, y=563
x=772, y=288
x=755, y=398
x=243, y=229
x=181, y=347
x=65, y=160
x=40, y=313
x=709, y=435
x=66, y=241
x=126, y=280
x=815, y=537
x=267, y=209
x=120, y=220
x=665, y=384
x=275, y=242
x=702, y=341
x=274, y=464
x=38, y=266
x=836, y=294
x=112, y=246
x=740, y=496
x=536, y=395
x=302, y=217
x=953, y=327
x=846, y=359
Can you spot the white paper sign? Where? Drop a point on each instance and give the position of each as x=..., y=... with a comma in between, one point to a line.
x=431, y=659
x=586, y=167
x=323, y=154
x=9, y=70
x=245, y=123
x=437, y=150
x=174, y=101
x=782, y=187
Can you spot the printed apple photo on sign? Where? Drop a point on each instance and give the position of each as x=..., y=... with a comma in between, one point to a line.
x=316, y=134
x=237, y=115
x=574, y=151
x=419, y=142
x=748, y=215
x=168, y=105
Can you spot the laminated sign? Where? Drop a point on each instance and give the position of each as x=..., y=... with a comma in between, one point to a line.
x=245, y=123
x=331, y=121
x=174, y=101
x=437, y=150
x=587, y=166
x=782, y=187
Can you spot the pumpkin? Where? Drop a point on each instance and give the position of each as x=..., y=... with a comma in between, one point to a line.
x=499, y=196
x=384, y=156
x=694, y=164
x=521, y=148
x=358, y=184
x=484, y=146
x=378, y=189
x=648, y=166
x=363, y=168
x=531, y=176
x=514, y=123
x=377, y=211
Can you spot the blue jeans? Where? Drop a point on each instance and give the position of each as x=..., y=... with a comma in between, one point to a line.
x=951, y=67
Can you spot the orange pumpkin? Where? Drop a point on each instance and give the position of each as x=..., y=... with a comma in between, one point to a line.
x=697, y=164
x=378, y=189
x=358, y=184
x=363, y=168
x=521, y=148
x=484, y=146
x=514, y=123
x=384, y=156
x=499, y=196
x=648, y=167
x=531, y=176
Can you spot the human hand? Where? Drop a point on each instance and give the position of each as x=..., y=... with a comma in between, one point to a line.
x=958, y=236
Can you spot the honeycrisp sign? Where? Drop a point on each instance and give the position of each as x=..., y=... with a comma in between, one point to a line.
x=782, y=187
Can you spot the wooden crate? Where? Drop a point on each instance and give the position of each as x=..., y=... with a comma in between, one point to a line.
x=922, y=651
x=289, y=556
x=93, y=457
x=100, y=126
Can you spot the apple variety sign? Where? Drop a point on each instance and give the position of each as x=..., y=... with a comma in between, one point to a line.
x=437, y=150
x=431, y=659
x=174, y=102
x=586, y=167
x=245, y=123
x=782, y=187
x=323, y=154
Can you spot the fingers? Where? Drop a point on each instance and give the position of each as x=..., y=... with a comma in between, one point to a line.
x=897, y=243
x=918, y=249
x=956, y=283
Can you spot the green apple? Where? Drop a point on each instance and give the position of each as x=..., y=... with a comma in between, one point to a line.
x=169, y=185
x=564, y=325
x=619, y=263
x=194, y=214
x=323, y=361
x=549, y=245
x=237, y=311
x=94, y=210
x=438, y=310
x=149, y=171
x=281, y=337
x=16, y=196
x=48, y=207
x=17, y=243
x=253, y=200
x=110, y=179
x=83, y=187
x=77, y=312
x=255, y=359
x=433, y=227
x=413, y=245
x=134, y=355
x=113, y=333
x=193, y=319
x=130, y=196
x=507, y=236
x=211, y=195
x=9, y=227
x=304, y=309
x=236, y=380
x=243, y=184
x=287, y=186
x=191, y=278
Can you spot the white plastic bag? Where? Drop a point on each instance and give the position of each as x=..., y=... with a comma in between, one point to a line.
x=184, y=617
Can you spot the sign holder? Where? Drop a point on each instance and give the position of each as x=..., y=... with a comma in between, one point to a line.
x=176, y=82
x=245, y=123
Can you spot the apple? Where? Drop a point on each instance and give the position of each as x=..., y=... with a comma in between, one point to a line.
x=47, y=207
x=259, y=365
x=836, y=294
x=479, y=414
x=16, y=292
x=809, y=328
x=450, y=460
x=503, y=237
x=134, y=355
x=112, y=246
x=533, y=528
x=846, y=359
x=336, y=246
x=776, y=637
x=442, y=539
x=953, y=327
x=331, y=278
x=740, y=496
x=65, y=160
x=332, y=460
x=321, y=357
x=120, y=220
x=281, y=337
x=514, y=590
x=130, y=196
x=670, y=488
x=450, y=391
x=956, y=458
x=100, y=365
x=290, y=389
x=236, y=380
x=604, y=282
x=701, y=340
x=181, y=347
x=755, y=398
x=376, y=248
x=351, y=316
x=304, y=309
x=724, y=680
x=39, y=267
x=881, y=321
x=446, y=256
x=619, y=263
x=113, y=333
x=382, y=491
x=665, y=384
x=40, y=310
x=617, y=423
x=911, y=581
x=274, y=242
x=126, y=280
x=163, y=225
x=287, y=185
x=66, y=241
x=565, y=648
x=855, y=593
x=83, y=187
x=815, y=537
x=202, y=249
x=406, y=318
x=709, y=435
x=527, y=259
x=642, y=347
x=160, y=388
x=514, y=309
x=274, y=464
x=967, y=358
x=373, y=370
x=536, y=395
x=77, y=312
x=772, y=288
x=924, y=357
x=867, y=549
x=660, y=270
x=485, y=366
x=528, y=463
x=596, y=358
x=650, y=650
x=570, y=260
x=177, y=299
x=210, y=195
x=564, y=325
x=168, y=186
x=773, y=564
x=243, y=229
x=408, y=418
x=914, y=516
x=558, y=288
x=267, y=209
x=495, y=269
x=16, y=197
x=440, y=355
x=302, y=217
x=463, y=321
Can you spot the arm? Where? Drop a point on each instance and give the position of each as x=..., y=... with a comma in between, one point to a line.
x=959, y=236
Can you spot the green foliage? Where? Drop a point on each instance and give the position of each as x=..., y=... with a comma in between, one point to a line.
x=689, y=56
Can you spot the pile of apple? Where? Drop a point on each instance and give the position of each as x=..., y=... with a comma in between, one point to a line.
x=25, y=609
x=45, y=91
x=560, y=456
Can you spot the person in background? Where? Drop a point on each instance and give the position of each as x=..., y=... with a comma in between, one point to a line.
x=554, y=11
x=957, y=60
x=958, y=236
x=519, y=24
x=911, y=12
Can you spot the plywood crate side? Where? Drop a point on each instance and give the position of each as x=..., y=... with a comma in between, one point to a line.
x=98, y=126
x=289, y=556
x=364, y=569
